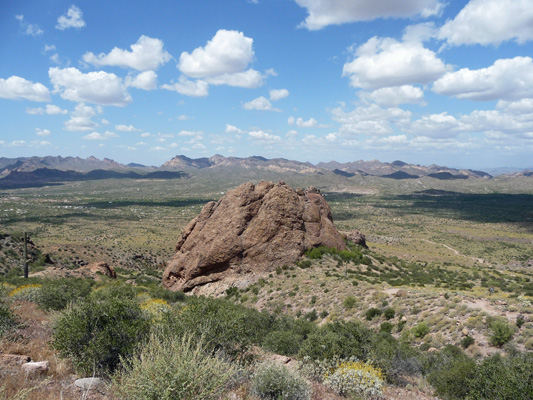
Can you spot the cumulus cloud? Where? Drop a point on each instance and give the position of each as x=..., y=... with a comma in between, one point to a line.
x=523, y=106
x=73, y=19
x=490, y=22
x=310, y=123
x=437, y=125
x=385, y=62
x=17, y=88
x=184, y=117
x=263, y=136
x=100, y=136
x=52, y=109
x=278, y=94
x=370, y=120
x=506, y=79
x=187, y=87
x=249, y=79
x=322, y=13
x=146, y=80
x=146, y=54
x=94, y=87
x=81, y=118
x=396, y=95
x=42, y=132
x=227, y=52
x=232, y=129
x=126, y=128
x=261, y=103
x=28, y=29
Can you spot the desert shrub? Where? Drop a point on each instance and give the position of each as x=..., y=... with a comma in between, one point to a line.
x=520, y=321
x=349, y=302
x=338, y=339
x=529, y=344
x=56, y=294
x=386, y=327
x=467, y=341
x=114, y=290
x=282, y=342
x=156, y=308
x=501, y=333
x=276, y=382
x=169, y=368
x=95, y=334
x=371, y=313
x=8, y=320
x=503, y=378
x=389, y=313
x=421, y=330
x=355, y=379
x=311, y=315
x=450, y=372
x=29, y=292
x=225, y=325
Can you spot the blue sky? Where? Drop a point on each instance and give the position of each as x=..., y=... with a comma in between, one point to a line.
x=423, y=81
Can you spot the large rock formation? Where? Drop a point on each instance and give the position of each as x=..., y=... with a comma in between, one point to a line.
x=252, y=229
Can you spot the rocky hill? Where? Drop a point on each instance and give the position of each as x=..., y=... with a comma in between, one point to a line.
x=252, y=230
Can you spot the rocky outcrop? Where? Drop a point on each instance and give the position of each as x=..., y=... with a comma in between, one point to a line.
x=357, y=238
x=102, y=268
x=252, y=229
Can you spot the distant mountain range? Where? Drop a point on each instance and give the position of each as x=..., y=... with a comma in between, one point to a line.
x=38, y=171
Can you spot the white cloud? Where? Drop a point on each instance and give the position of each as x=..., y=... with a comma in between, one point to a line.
x=232, y=129
x=40, y=143
x=228, y=52
x=506, y=79
x=490, y=22
x=198, y=146
x=100, y=136
x=146, y=80
x=291, y=120
x=292, y=133
x=48, y=48
x=17, y=88
x=384, y=62
x=322, y=13
x=310, y=123
x=260, y=103
x=94, y=87
x=141, y=144
x=126, y=128
x=523, y=106
x=146, y=134
x=249, y=79
x=370, y=120
x=146, y=54
x=81, y=118
x=263, y=136
x=29, y=29
x=73, y=19
x=42, y=132
x=278, y=94
x=187, y=87
x=184, y=117
x=396, y=95
x=436, y=125
x=51, y=109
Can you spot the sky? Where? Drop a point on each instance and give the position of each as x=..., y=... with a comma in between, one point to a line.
x=448, y=82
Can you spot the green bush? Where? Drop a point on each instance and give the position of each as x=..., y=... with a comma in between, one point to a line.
x=173, y=369
x=386, y=327
x=371, y=313
x=56, y=294
x=503, y=378
x=501, y=333
x=389, y=313
x=467, y=341
x=450, y=373
x=96, y=334
x=421, y=330
x=349, y=302
x=8, y=320
x=273, y=381
x=282, y=342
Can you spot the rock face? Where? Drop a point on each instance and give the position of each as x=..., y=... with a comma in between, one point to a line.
x=357, y=238
x=253, y=228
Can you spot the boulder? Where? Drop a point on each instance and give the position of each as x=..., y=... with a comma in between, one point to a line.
x=252, y=229
x=36, y=367
x=103, y=268
x=357, y=238
x=89, y=383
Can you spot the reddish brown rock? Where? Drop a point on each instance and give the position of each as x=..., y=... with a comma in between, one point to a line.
x=357, y=238
x=253, y=228
x=103, y=268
